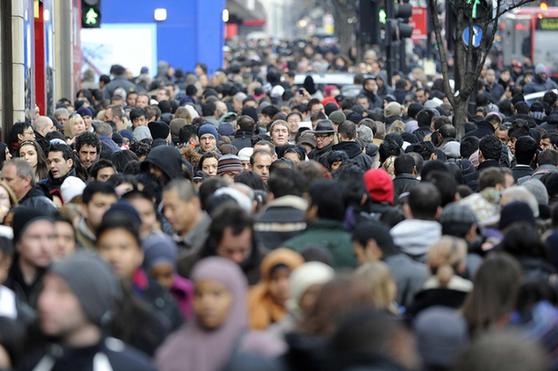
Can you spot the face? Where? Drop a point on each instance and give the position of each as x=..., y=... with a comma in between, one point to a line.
x=97, y=207
x=147, y=213
x=162, y=95
x=18, y=184
x=36, y=246
x=308, y=299
x=131, y=99
x=212, y=303
x=178, y=212
x=502, y=134
x=246, y=165
x=28, y=134
x=236, y=248
x=323, y=140
x=57, y=165
x=316, y=108
x=209, y=166
x=280, y=135
x=363, y=102
x=87, y=120
x=294, y=122
x=261, y=165
x=371, y=85
x=65, y=243
x=87, y=155
x=293, y=157
x=140, y=121
x=29, y=153
x=60, y=312
x=208, y=142
x=62, y=119
x=163, y=273
x=546, y=144
x=142, y=101
x=121, y=250
x=279, y=285
x=105, y=173
x=78, y=126
x=421, y=96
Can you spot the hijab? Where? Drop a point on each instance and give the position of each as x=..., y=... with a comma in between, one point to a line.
x=264, y=311
x=192, y=348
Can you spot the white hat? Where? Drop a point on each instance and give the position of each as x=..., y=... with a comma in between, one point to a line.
x=245, y=153
x=277, y=91
x=71, y=187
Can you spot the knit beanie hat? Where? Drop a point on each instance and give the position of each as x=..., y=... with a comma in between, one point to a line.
x=23, y=218
x=158, y=248
x=228, y=163
x=159, y=129
x=208, y=129
x=245, y=153
x=338, y=117
x=308, y=274
x=71, y=187
x=92, y=282
x=379, y=185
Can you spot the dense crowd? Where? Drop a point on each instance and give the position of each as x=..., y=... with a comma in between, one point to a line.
x=240, y=221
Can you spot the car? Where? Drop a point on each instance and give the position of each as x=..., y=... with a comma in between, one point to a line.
x=531, y=98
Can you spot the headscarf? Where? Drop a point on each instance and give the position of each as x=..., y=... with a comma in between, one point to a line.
x=158, y=248
x=263, y=309
x=193, y=348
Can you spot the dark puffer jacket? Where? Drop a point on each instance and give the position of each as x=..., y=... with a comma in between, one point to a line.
x=355, y=153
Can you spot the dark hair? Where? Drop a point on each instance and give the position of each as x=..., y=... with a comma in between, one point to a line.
x=270, y=111
x=548, y=157
x=17, y=129
x=366, y=230
x=286, y=182
x=389, y=147
x=525, y=150
x=208, y=187
x=327, y=196
x=101, y=164
x=446, y=185
x=404, y=164
x=141, y=148
x=64, y=148
x=522, y=240
x=204, y=157
x=468, y=146
x=119, y=220
x=489, y=178
x=121, y=158
x=490, y=147
x=424, y=201
x=228, y=216
x=186, y=133
x=432, y=165
x=245, y=124
x=250, y=179
x=42, y=167
x=97, y=187
x=347, y=129
x=424, y=118
x=87, y=138
x=136, y=113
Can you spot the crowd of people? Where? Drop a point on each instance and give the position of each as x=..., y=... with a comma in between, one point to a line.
x=238, y=221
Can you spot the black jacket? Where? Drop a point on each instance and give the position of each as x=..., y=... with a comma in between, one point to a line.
x=520, y=171
x=320, y=155
x=488, y=163
x=281, y=220
x=242, y=140
x=166, y=158
x=36, y=199
x=52, y=185
x=355, y=153
x=403, y=183
x=484, y=128
x=26, y=293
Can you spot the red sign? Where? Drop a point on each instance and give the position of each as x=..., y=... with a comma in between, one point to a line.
x=419, y=21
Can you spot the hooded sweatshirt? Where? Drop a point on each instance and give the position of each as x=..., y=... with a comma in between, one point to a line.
x=414, y=236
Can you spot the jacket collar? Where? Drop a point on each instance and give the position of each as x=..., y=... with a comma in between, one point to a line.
x=289, y=201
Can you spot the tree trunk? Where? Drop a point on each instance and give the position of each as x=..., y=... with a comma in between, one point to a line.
x=460, y=110
x=342, y=12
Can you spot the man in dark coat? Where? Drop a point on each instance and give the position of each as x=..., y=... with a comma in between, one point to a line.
x=324, y=133
x=405, y=175
x=348, y=144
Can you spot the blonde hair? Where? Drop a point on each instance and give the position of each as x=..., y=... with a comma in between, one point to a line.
x=444, y=257
x=397, y=126
x=70, y=123
x=378, y=282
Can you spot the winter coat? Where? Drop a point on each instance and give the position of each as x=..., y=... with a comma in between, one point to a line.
x=166, y=158
x=355, y=153
x=403, y=183
x=415, y=236
x=36, y=199
x=330, y=236
x=282, y=219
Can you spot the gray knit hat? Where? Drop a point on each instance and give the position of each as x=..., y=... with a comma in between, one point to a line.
x=93, y=283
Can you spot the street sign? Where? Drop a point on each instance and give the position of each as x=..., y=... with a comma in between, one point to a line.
x=419, y=23
x=477, y=36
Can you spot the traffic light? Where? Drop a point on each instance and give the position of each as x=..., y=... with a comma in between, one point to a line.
x=90, y=13
x=369, y=21
x=401, y=29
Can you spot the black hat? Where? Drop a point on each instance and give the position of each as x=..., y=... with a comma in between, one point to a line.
x=324, y=127
x=159, y=129
x=23, y=218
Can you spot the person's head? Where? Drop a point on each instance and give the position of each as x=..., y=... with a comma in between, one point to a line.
x=424, y=118
x=326, y=201
x=142, y=100
x=208, y=135
x=495, y=288
x=43, y=125
x=61, y=115
x=181, y=206
x=231, y=234
x=102, y=170
x=492, y=178
x=265, y=145
x=324, y=133
x=77, y=298
x=97, y=198
x=424, y=202
x=279, y=131
x=19, y=176
x=305, y=284
x=261, y=162
x=525, y=150
x=372, y=242
x=286, y=182
x=60, y=160
x=32, y=152
x=229, y=166
x=220, y=295
x=459, y=221
x=137, y=117
x=380, y=284
x=33, y=237
x=490, y=148
x=347, y=131
x=275, y=271
x=88, y=148
x=208, y=163
x=405, y=164
x=503, y=350
x=144, y=203
x=74, y=126
x=446, y=258
x=445, y=183
x=65, y=235
x=160, y=257
x=468, y=146
x=118, y=240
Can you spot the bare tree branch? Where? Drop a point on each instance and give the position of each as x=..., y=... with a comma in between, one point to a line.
x=510, y=8
x=442, y=49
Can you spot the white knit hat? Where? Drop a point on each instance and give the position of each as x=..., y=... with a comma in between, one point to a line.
x=71, y=187
x=308, y=274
